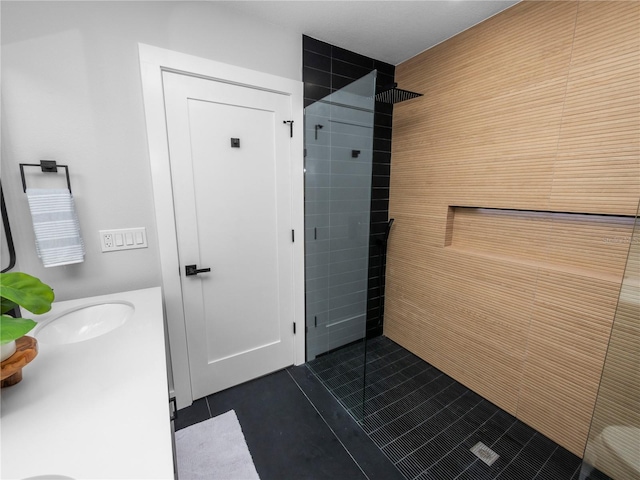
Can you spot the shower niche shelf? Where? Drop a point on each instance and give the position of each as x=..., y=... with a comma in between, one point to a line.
x=587, y=245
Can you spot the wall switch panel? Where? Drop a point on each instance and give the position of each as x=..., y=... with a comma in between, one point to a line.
x=123, y=239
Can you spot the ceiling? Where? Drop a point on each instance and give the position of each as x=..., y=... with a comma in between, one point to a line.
x=391, y=31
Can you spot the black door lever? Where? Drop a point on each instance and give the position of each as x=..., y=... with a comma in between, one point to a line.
x=193, y=270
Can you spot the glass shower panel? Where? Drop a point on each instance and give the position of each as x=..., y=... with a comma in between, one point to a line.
x=338, y=163
x=613, y=445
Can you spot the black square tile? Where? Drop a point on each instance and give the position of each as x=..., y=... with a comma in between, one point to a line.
x=359, y=445
x=561, y=465
x=380, y=205
x=378, y=194
x=384, y=81
x=339, y=81
x=197, y=412
x=317, y=61
x=382, y=145
x=382, y=132
x=384, y=68
x=313, y=45
x=426, y=422
x=380, y=181
x=349, y=70
x=382, y=119
x=385, y=108
x=352, y=57
x=315, y=92
x=382, y=157
x=517, y=471
x=452, y=464
x=286, y=435
x=316, y=77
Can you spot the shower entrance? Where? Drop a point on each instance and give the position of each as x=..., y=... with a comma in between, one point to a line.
x=338, y=165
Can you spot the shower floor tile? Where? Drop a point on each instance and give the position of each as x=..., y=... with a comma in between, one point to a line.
x=426, y=423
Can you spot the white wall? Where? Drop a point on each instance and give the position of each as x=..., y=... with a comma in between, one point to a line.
x=71, y=92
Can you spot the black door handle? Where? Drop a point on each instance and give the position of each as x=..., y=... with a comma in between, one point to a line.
x=193, y=270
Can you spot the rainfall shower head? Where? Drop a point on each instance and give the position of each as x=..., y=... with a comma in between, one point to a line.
x=393, y=94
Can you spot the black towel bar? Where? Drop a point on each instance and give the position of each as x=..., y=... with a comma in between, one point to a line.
x=47, y=166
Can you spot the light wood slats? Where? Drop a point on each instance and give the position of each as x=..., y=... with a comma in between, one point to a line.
x=599, y=142
x=567, y=344
x=586, y=244
x=618, y=401
x=490, y=332
x=536, y=109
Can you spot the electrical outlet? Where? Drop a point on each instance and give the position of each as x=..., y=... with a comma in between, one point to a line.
x=123, y=239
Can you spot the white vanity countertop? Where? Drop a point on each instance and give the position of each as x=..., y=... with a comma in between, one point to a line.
x=93, y=409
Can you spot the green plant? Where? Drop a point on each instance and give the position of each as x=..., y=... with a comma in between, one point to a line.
x=21, y=289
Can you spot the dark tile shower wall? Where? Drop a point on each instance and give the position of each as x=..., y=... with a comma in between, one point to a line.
x=327, y=68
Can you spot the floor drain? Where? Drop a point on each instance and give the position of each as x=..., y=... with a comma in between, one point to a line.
x=484, y=453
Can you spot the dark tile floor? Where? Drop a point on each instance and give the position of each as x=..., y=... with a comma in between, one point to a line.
x=295, y=429
x=426, y=423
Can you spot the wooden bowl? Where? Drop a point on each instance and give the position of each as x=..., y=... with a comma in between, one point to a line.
x=11, y=368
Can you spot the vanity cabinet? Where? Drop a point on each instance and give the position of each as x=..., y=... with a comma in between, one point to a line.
x=97, y=408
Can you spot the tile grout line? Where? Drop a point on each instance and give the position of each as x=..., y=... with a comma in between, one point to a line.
x=444, y=407
x=402, y=398
x=327, y=424
x=545, y=462
x=206, y=399
x=404, y=380
x=520, y=454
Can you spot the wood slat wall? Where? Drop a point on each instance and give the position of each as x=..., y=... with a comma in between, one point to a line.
x=537, y=111
x=618, y=401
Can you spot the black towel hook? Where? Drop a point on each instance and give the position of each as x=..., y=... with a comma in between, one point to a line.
x=47, y=166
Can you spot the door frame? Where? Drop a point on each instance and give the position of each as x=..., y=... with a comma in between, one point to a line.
x=153, y=61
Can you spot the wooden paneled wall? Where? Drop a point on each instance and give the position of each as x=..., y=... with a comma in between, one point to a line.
x=618, y=400
x=512, y=180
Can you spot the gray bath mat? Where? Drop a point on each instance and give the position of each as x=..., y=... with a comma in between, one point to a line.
x=214, y=449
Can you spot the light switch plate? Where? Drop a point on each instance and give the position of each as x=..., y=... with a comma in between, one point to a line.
x=123, y=239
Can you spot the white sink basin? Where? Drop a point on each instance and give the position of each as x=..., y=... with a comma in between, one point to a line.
x=84, y=323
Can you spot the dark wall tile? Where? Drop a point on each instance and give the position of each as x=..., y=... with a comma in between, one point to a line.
x=385, y=68
x=329, y=68
x=380, y=205
x=382, y=119
x=381, y=144
x=379, y=193
x=382, y=169
x=383, y=132
x=316, y=46
x=380, y=181
x=317, y=61
x=386, y=108
x=379, y=217
x=316, y=77
x=315, y=92
x=352, y=57
x=338, y=81
x=384, y=82
x=381, y=157
x=350, y=70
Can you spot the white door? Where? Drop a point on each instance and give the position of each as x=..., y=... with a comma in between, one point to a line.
x=229, y=149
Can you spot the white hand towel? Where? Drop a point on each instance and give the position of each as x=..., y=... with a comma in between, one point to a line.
x=56, y=226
